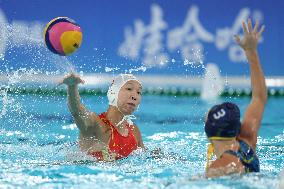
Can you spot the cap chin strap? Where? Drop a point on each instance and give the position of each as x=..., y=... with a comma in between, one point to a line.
x=128, y=118
x=210, y=152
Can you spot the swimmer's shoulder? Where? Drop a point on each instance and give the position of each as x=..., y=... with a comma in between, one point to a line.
x=96, y=123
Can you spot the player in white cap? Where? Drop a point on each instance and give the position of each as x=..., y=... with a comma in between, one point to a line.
x=110, y=135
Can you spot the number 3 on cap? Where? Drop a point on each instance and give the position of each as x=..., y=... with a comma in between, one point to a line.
x=219, y=114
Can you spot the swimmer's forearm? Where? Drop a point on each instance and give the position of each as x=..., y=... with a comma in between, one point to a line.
x=73, y=97
x=258, y=85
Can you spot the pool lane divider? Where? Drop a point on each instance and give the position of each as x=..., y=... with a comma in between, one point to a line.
x=147, y=91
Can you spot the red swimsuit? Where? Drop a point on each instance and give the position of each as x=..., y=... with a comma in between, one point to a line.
x=119, y=146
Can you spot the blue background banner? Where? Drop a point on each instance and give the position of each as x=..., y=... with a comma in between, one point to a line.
x=149, y=37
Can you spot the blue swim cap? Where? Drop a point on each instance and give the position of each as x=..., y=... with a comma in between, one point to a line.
x=223, y=122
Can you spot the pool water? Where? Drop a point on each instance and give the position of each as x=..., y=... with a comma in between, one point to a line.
x=39, y=145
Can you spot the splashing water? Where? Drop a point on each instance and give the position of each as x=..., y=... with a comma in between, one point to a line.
x=19, y=33
x=142, y=68
x=212, y=85
x=5, y=102
x=28, y=36
x=108, y=69
x=281, y=180
x=62, y=63
x=196, y=60
x=39, y=150
x=49, y=157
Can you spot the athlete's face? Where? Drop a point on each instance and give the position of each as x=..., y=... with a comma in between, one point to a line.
x=129, y=97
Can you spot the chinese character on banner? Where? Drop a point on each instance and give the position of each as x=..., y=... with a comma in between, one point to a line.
x=131, y=46
x=188, y=38
x=147, y=37
x=224, y=37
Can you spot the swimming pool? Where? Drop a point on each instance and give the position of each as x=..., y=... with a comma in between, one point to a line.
x=39, y=145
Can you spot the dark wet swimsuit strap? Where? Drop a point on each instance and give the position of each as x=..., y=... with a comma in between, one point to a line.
x=236, y=153
x=232, y=152
x=248, y=163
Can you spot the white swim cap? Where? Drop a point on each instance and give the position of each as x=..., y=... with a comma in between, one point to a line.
x=117, y=83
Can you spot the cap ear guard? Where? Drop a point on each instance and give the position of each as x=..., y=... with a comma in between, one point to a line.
x=111, y=98
x=111, y=94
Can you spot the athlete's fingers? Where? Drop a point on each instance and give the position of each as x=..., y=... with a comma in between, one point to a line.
x=82, y=81
x=256, y=27
x=261, y=30
x=245, y=28
x=237, y=39
x=249, y=26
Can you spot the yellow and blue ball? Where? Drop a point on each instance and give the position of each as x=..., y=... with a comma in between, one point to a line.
x=62, y=36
